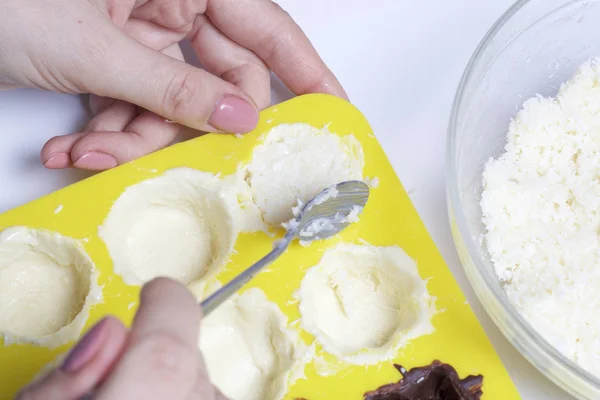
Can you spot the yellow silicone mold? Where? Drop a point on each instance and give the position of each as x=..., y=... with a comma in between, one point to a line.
x=389, y=219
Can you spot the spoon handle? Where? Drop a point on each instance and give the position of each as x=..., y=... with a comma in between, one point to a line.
x=218, y=297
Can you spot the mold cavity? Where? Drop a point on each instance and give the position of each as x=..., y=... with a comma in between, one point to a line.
x=177, y=225
x=362, y=303
x=47, y=287
x=249, y=351
x=297, y=161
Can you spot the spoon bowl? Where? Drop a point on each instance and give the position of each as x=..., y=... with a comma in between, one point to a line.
x=332, y=210
x=325, y=215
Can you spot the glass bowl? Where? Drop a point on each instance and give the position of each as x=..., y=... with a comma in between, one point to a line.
x=534, y=47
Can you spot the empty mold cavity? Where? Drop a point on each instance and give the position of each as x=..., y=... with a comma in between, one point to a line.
x=362, y=302
x=178, y=225
x=47, y=287
x=297, y=161
x=249, y=351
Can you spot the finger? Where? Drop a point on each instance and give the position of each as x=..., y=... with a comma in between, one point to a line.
x=97, y=103
x=218, y=54
x=225, y=58
x=151, y=34
x=178, y=91
x=173, y=51
x=174, y=15
x=110, y=114
x=113, y=115
x=55, y=154
x=263, y=27
x=120, y=110
x=161, y=360
x=164, y=300
x=115, y=136
x=102, y=150
x=119, y=11
x=85, y=367
x=116, y=115
x=133, y=138
x=203, y=388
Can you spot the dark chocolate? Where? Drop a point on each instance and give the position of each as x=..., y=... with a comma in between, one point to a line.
x=437, y=381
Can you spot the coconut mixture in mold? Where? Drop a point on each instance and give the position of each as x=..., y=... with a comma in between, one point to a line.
x=47, y=286
x=177, y=225
x=249, y=350
x=362, y=303
x=184, y=224
x=296, y=162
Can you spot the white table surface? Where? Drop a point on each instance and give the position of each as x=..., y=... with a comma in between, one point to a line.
x=399, y=60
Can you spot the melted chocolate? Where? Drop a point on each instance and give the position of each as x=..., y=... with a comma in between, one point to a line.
x=437, y=381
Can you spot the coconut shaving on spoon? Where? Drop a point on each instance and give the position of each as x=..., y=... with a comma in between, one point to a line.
x=327, y=214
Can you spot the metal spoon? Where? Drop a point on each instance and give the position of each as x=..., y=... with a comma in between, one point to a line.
x=325, y=215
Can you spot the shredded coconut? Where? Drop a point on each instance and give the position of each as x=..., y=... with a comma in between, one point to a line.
x=353, y=216
x=373, y=183
x=291, y=224
x=317, y=226
x=541, y=209
x=329, y=193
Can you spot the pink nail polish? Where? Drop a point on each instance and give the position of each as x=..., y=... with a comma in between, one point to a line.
x=86, y=349
x=58, y=161
x=234, y=115
x=95, y=160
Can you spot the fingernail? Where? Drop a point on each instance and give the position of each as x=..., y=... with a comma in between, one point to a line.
x=234, y=115
x=95, y=160
x=57, y=161
x=86, y=349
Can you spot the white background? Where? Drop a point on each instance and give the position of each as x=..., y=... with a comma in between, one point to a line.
x=400, y=62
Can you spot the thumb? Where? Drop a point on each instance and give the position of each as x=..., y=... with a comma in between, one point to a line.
x=173, y=89
x=57, y=385
x=85, y=366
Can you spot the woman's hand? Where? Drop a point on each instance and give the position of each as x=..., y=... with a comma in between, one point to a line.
x=126, y=52
x=157, y=359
